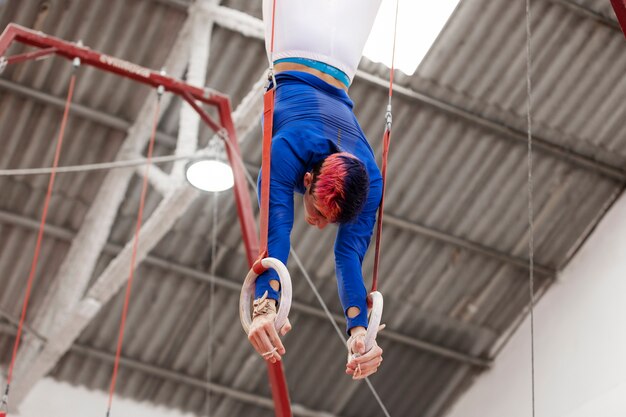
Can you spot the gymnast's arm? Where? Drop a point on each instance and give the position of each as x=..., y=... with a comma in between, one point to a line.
x=350, y=247
x=351, y=244
x=286, y=169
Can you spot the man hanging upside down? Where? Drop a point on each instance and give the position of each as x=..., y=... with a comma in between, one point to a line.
x=319, y=150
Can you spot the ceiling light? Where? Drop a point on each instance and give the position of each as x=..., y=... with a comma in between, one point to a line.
x=211, y=173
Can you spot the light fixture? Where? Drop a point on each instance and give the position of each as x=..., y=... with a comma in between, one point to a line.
x=211, y=172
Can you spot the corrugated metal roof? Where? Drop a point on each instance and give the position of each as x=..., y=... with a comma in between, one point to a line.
x=456, y=202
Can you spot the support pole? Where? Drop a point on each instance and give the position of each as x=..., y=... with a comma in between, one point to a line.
x=278, y=382
x=620, y=11
x=105, y=62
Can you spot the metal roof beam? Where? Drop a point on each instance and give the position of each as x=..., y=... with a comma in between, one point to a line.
x=114, y=250
x=182, y=5
x=116, y=123
x=250, y=26
x=468, y=245
x=85, y=112
x=75, y=319
x=242, y=396
x=589, y=13
x=576, y=7
x=539, y=143
x=176, y=377
x=465, y=244
x=253, y=27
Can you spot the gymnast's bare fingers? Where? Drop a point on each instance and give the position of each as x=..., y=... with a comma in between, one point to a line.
x=271, y=351
x=255, y=340
x=365, y=365
x=264, y=338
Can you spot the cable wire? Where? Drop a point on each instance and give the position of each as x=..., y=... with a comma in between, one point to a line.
x=33, y=268
x=98, y=166
x=129, y=285
x=296, y=258
x=531, y=242
x=211, y=335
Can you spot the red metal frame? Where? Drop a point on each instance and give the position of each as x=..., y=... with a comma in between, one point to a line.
x=191, y=94
x=620, y=11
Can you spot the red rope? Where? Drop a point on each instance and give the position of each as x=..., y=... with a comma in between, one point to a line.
x=386, y=141
x=268, y=122
x=144, y=191
x=42, y=224
x=381, y=210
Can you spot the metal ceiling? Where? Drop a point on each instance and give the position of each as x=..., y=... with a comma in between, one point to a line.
x=454, y=270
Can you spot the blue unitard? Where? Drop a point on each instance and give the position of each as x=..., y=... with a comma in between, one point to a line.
x=313, y=119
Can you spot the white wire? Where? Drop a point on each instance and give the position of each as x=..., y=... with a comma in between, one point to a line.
x=531, y=242
x=97, y=167
x=334, y=323
x=211, y=301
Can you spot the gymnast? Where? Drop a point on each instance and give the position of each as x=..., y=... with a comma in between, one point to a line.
x=319, y=150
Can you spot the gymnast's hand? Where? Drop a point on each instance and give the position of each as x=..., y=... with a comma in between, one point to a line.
x=263, y=334
x=363, y=364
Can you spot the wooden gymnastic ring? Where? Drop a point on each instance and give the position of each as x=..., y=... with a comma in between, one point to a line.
x=247, y=294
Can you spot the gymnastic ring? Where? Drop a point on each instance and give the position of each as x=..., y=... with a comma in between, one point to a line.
x=247, y=294
x=375, y=316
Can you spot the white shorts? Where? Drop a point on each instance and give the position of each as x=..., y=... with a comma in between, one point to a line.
x=333, y=32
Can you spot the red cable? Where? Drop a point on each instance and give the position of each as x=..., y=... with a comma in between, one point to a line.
x=42, y=224
x=268, y=120
x=144, y=191
x=381, y=210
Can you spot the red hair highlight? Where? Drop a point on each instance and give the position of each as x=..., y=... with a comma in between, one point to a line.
x=329, y=189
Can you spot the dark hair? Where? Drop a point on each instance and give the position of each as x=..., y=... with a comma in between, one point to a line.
x=340, y=185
